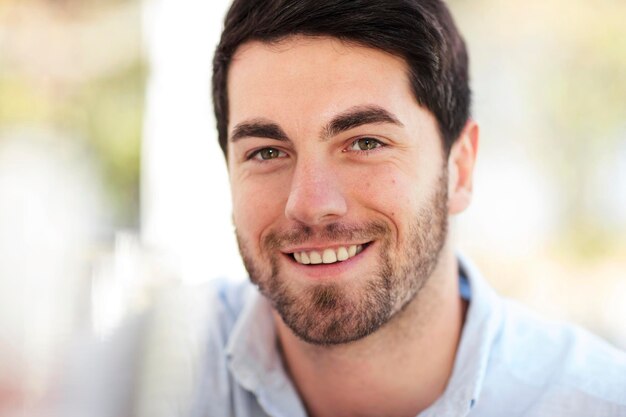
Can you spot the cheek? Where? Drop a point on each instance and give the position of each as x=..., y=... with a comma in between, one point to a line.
x=256, y=207
x=388, y=191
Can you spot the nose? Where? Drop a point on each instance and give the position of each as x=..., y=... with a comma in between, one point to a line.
x=316, y=196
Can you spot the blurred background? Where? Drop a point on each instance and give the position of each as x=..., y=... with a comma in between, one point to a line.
x=112, y=183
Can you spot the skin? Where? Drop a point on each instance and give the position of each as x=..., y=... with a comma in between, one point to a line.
x=288, y=194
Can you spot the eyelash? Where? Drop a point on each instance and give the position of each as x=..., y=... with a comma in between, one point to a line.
x=379, y=144
x=255, y=154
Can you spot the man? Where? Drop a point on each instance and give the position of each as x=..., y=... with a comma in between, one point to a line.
x=346, y=127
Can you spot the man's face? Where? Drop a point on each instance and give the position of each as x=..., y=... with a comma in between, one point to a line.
x=338, y=181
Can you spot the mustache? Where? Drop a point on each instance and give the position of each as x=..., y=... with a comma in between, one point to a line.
x=302, y=234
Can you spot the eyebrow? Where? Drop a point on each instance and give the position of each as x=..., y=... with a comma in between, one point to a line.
x=358, y=116
x=349, y=119
x=258, y=128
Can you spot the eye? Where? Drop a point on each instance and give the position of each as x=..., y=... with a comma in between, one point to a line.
x=365, y=144
x=266, y=154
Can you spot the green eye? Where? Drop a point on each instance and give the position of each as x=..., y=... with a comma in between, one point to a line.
x=365, y=144
x=266, y=154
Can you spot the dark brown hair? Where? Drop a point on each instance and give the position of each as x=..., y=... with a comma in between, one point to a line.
x=422, y=32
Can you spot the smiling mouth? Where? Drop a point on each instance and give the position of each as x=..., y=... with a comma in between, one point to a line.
x=329, y=255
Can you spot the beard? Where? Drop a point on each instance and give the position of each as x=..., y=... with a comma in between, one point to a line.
x=336, y=313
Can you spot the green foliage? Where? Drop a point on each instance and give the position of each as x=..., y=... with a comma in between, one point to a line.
x=113, y=123
x=105, y=113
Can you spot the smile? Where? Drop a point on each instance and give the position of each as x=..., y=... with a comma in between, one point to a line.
x=328, y=255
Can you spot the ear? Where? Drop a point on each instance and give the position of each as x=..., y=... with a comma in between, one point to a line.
x=461, y=168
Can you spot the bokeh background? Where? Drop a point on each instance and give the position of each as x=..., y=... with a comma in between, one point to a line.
x=112, y=183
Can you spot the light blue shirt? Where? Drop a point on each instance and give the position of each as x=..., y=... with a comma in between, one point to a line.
x=509, y=363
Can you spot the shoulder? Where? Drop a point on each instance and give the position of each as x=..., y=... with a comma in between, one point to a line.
x=207, y=311
x=556, y=368
x=167, y=360
x=227, y=299
x=185, y=364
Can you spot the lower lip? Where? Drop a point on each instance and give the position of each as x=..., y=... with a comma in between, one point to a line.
x=324, y=272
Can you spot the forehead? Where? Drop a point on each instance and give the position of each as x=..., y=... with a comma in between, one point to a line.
x=312, y=76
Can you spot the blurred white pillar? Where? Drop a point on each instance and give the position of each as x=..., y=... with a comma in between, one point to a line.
x=51, y=205
x=185, y=197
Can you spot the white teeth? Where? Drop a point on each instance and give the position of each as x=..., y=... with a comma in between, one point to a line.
x=327, y=256
x=305, y=258
x=315, y=257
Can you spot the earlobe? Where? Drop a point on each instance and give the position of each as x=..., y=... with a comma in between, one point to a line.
x=461, y=164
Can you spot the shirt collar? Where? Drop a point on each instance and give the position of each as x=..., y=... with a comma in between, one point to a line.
x=483, y=319
x=255, y=361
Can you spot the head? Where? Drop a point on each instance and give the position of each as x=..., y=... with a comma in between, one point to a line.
x=421, y=32
x=348, y=145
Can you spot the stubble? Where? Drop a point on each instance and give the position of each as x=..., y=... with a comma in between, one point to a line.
x=334, y=313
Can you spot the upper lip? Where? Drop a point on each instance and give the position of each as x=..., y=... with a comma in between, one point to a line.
x=321, y=246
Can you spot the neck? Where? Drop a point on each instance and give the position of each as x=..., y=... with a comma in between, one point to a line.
x=399, y=370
